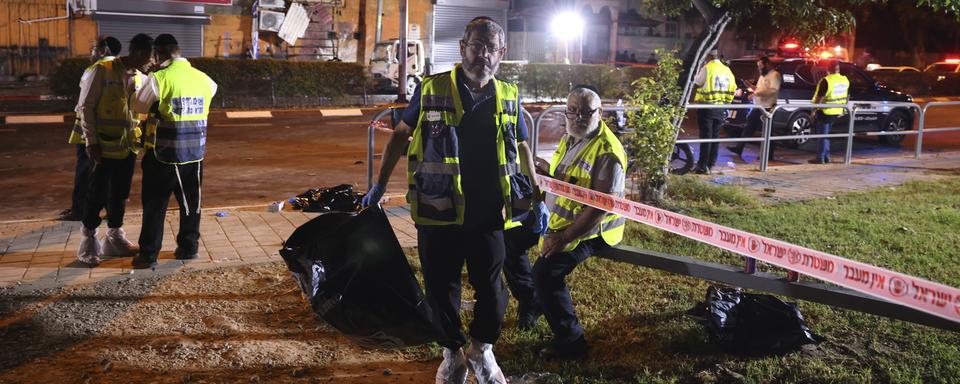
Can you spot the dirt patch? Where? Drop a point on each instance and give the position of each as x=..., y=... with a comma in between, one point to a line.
x=243, y=324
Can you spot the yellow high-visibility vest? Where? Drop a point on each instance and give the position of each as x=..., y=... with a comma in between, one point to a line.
x=838, y=91
x=564, y=211
x=435, y=192
x=719, y=86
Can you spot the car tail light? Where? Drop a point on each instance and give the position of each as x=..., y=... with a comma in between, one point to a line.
x=953, y=60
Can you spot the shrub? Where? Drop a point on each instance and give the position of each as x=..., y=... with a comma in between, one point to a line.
x=265, y=77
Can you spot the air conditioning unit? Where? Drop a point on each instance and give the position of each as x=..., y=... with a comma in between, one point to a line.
x=272, y=4
x=271, y=21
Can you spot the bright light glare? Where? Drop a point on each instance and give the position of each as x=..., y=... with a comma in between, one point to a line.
x=791, y=45
x=566, y=25
x=825, y=55
x=837, y=49
x=953, y=60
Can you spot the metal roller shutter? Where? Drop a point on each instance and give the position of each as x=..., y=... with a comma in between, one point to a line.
x=189, y=36
x=448, y=24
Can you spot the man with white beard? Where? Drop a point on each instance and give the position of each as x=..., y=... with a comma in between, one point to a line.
x=470, y=174
x=589, y=156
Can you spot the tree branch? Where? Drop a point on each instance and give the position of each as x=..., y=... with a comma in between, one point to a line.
x=707, y=10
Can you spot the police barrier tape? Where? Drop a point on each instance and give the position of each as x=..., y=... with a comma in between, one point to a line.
x=923, y=295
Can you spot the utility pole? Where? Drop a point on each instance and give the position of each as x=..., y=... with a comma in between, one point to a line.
x=402, y=53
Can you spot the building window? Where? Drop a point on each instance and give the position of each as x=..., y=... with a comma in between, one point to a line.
x=671, y=28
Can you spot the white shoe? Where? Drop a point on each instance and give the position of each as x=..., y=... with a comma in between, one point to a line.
x=453, y=369
x=90, y=249
x=116, y=244
x=481, y=361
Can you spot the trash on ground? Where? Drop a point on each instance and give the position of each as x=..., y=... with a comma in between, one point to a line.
x=751, y=323
x=356, y=277
x=222, y=214
x=332, y=199
x=275, y=206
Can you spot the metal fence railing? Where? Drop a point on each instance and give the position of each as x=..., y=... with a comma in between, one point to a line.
x=765, y=139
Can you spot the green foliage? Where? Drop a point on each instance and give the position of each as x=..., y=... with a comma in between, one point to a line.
x=653, y=135
x=545, y=81
x=263, y=77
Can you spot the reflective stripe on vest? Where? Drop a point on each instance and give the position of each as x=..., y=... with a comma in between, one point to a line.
x=115, y=121
x=838, y=89
x=719, y=86
x=435, y=192
x=563, y=211
x=181, y=133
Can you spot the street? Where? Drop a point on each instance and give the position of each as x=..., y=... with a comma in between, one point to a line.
x=254, y=161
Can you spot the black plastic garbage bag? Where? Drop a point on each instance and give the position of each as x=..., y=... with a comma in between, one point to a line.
x=352, y=270
x=341, y=198
x=751, y=323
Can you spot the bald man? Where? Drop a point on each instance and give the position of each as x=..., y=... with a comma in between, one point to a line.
x=590, y=156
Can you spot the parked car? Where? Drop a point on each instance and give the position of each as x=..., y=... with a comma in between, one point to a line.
x=894, y=69
x=800, y=77
x=947, y=66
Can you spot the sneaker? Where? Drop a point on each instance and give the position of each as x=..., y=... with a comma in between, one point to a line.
x=736, y=149
x=574, y=350
x=818, y=161
x=116, y=244
x=181, y=255
x=453, y=369
x=90, y=250
x=483, y=364
x=702, y=170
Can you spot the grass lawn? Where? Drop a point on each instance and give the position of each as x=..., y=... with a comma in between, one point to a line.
x=634, y=317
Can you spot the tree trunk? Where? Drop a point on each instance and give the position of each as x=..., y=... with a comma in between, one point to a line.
x=716, y=20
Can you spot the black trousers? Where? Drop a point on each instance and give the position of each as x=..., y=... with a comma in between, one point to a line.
x=443, y=251
x=159, y=181
x=755, y=123
x=549, y=277
x=109, y=187
x=709, y=121
x=516, y=264
x=81, y=180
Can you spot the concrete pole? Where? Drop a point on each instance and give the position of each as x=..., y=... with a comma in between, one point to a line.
x=254, y=32
x=614, y=27
x=379, y=20
x=402, y=53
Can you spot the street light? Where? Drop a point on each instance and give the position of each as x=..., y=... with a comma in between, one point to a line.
x=566, y=26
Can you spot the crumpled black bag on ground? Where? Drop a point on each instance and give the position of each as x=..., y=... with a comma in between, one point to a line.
x=752, y=324
x=340, y=198
x=352, y=270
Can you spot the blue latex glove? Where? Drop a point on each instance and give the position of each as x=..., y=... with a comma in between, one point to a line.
x=373, y=196
x=542, y=215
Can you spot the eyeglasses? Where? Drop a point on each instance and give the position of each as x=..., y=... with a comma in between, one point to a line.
x=478, y=47
x=581, y=115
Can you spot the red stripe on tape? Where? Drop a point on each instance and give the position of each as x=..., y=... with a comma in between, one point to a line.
x=920, y=294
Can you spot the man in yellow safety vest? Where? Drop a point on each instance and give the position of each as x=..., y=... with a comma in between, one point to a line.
x=109, y=128
x=592, y=157
x=106, y=49
x=469, y=174
x=834, y=88
x=178, y=98
x=716, y=85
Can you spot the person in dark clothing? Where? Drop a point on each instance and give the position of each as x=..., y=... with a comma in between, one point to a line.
x=469, y=173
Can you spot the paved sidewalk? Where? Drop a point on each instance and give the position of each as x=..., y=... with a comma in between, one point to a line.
x=43, y=253
x=811, y=181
